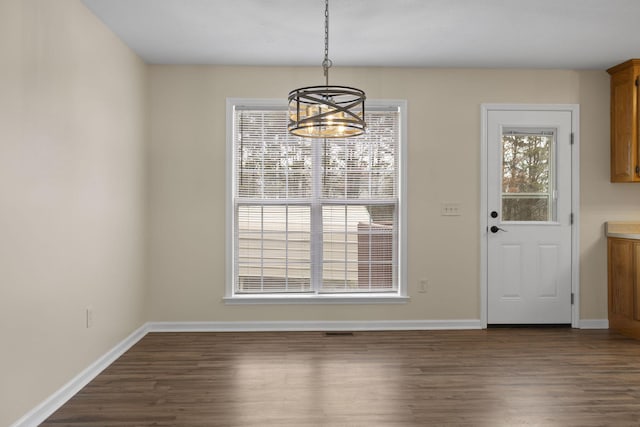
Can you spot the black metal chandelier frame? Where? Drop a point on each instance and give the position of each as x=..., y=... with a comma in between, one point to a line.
x=326, y=111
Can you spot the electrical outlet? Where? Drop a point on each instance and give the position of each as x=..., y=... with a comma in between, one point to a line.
x=450, y=209
x=89, y=317
x=423, y=286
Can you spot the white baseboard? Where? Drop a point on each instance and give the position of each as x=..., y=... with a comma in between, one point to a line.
x=257, y=326
x=594, y=324
x=41, y=412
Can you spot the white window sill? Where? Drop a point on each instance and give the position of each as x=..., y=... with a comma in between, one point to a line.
x=317, y=299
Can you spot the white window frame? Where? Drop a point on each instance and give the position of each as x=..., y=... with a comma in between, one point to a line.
x=400, y=296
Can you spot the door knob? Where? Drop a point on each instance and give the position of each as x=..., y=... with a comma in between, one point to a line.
x=495, y=229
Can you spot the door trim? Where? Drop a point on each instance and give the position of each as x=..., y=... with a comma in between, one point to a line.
x=574, y=109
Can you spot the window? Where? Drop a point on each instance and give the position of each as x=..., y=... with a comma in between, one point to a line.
x=314, y=219
x=528, y=187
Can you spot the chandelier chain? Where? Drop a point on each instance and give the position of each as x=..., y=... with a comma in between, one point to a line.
x=326, y=64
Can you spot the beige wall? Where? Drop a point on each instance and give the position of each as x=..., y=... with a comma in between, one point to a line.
x=187, y=183
x=75, y=174
x=72, y=132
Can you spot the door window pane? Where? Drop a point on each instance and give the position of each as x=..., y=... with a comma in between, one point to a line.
x=527, y=175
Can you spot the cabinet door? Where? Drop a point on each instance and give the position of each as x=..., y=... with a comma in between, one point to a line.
x=636, y=282
x=623, y=126
x=621, y=280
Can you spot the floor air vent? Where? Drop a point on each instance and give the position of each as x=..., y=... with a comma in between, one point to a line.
x=338, y=334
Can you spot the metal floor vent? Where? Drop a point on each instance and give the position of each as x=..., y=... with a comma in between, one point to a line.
x=529, y=325
x=338, y=334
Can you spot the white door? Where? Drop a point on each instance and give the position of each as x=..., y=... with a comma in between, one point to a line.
x=528, y=217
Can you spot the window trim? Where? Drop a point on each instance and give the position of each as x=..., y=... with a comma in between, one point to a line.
x=401, y=296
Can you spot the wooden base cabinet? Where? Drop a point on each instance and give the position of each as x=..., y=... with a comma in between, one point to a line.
x=625, y=163
x=624, y=285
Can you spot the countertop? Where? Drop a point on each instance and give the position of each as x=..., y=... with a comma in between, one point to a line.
x=622, y=229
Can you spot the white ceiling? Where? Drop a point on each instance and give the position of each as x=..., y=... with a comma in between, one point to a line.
x=575, y=34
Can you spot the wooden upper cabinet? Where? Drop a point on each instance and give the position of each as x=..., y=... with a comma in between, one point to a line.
x=625, y=165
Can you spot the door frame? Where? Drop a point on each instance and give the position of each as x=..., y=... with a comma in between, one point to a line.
x=574, y=109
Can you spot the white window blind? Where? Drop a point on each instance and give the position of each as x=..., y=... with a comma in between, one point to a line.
x=314, y=216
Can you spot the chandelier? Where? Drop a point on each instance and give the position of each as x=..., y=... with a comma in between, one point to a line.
x=326, y=111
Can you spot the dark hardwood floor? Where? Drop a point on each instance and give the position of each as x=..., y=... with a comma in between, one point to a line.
x=495, y=377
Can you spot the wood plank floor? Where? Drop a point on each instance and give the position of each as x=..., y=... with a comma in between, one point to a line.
x=495, y=377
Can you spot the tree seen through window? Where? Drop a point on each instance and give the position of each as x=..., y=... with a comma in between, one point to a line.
x=527, y=176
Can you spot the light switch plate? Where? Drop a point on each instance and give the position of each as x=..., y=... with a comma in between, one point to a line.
x=450, y=209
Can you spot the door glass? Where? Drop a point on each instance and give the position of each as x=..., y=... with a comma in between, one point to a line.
x=528, y=187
